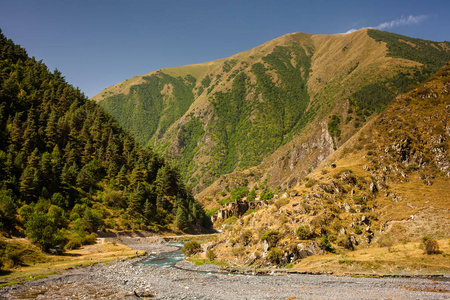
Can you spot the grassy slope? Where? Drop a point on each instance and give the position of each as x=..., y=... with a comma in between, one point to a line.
x=330, y=85
x=340, y=66
x=35, y=264
x=405, y=208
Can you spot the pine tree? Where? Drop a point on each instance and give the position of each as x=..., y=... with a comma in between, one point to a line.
x=51, y=131
x=133, y=204
x=73, y=171
x=136, y=177
x=33, y=159
x=181, y=220
x=147, y=209
x=121, y=178
x=65, y=176
x=16, y=131
x=45, y=166
x=87, y=153
x=29, y=133
x=27, y=182
x=9, y=163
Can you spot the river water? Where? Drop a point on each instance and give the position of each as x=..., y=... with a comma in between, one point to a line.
x=166, y=259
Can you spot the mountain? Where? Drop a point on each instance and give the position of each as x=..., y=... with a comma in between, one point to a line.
x=69, y=169
x=382, y=192
x=271, y=114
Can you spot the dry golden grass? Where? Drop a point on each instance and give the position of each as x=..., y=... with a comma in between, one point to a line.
x=405, y=209
x=86, y=256
x=406, y=258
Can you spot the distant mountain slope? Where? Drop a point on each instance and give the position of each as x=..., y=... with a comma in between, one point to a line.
x=69, y=169
x=283, y=106
x=386, y=186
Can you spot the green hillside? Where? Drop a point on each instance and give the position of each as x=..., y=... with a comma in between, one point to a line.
x=151, y=107
x=239, y=111
x=68, y=169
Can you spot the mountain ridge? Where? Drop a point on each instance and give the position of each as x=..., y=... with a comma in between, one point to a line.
x=339, y=74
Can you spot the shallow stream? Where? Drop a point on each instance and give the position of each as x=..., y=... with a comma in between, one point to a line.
x=165, y=259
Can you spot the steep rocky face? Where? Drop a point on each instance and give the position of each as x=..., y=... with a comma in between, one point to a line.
x=237, y=208
x=281, y=107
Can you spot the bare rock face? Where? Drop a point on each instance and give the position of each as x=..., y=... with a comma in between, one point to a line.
x=236, y=208
x=307, y=249
x=402, y=149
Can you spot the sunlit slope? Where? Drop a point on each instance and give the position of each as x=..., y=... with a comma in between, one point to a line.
x=386, y=187
x=271, y=105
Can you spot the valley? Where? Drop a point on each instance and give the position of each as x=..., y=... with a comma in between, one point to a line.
x=309, y=154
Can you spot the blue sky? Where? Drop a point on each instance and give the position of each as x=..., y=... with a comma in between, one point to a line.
x=98, y=43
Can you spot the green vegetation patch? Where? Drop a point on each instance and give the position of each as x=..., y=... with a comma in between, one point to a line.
x=189, y=136
x=376, y=96
x=151, y=107
x=333, y=126
x=432, y=54
x=247, y=130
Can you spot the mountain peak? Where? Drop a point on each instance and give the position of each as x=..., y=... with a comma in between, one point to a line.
x=281, y=107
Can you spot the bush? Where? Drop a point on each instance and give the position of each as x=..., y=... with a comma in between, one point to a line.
x=239, y=193
x=77, y=238
x=271, y=236
x=303, y=232
x=251, y=196
x=212, y=212
x=358, y=230
x=281, y=202
x=73, y=244
x=333, y=126
x=386, y=241
x=266, y=194
x=191, y=247
x=344, y=241
x=274, y=255
x=246, y=237
x=310, y=183
x=210, y=255
x=325, y=244
x=431, y=245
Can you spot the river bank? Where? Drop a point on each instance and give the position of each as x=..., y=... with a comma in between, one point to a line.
x=127, y=279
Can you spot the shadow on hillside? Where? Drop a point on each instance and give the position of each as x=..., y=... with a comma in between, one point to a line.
x=4, y=273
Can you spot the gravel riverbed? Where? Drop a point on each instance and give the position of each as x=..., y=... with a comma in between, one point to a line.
x=127, y=279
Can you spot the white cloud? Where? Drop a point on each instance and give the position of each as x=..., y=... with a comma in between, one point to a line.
x=410, y=20
x=351, y=31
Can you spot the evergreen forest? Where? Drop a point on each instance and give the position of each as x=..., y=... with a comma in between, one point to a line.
x=68, y=169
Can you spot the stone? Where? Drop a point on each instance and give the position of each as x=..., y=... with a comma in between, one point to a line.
x=266, y=246
x=347, y=207
x=307, y=249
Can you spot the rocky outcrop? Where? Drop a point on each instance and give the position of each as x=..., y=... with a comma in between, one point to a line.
x=296, y=252
x=236, y=208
